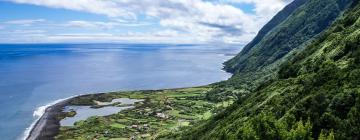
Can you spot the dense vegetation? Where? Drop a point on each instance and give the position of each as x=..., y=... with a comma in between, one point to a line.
x=298, y=79
x=161, y=111
x=275, y=21
x=287, y=33
x=289, y=30
x=315, y=95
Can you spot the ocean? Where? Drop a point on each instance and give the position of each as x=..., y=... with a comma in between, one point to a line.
x=35, y=75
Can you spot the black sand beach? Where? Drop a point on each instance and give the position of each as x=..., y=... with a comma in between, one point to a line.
x=48, y=125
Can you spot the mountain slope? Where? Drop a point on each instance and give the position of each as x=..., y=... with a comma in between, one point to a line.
x=296, y=24
x=316, y=94
x=287, y=33
x=275, y=21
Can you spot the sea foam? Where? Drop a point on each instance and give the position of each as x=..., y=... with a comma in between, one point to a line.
x=38, y=113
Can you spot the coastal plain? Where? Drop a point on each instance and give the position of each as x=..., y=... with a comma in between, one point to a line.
x=158, y=113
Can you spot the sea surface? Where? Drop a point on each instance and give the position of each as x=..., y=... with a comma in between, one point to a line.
x=32, y=76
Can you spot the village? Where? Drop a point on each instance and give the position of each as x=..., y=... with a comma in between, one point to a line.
x=158, y=112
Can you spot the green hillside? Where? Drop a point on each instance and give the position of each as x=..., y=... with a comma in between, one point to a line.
x=298, y=79
x=290, y=29
x=275, y=21
x=315, y=95
x=287, y=33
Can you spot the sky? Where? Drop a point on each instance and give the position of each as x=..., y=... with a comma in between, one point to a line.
x=134, y=21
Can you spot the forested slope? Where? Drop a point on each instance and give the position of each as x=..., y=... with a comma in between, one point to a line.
x=315, y=95
x=287, y=33
x=290, y=29
x=275, y=21
x=298, y=79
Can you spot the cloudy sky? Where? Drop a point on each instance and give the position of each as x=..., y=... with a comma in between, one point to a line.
x=134, y=21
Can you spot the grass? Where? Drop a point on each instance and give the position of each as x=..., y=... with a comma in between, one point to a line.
x=205, y=116
x=180, y=108
x=225, y=103
x=117, y=125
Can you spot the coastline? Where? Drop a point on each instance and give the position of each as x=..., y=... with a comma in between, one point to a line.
x=46, y=127
x=162, y=112
x=48, y=124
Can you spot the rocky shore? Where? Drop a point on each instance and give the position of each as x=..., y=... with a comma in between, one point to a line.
x=47, y=127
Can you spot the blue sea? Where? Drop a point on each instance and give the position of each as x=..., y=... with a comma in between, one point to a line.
x=32, y=76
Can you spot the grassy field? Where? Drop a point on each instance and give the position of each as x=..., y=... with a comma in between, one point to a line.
x=161, y=112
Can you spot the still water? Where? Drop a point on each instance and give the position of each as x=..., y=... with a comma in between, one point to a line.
x=84, y=112
x=32, y=76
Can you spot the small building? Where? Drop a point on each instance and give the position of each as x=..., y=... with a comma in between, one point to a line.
x=162, y=115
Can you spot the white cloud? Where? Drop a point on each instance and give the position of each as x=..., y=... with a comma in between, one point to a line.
x=2, y=27
x=202, y=14
x=22, y=35
x=29, y=32
x=25, y=22
x=82, y=24
x=131, y=37
x=264, y=8
x=201, y=20
x=101, y=25
x=88, y=24
x=166, y=36
x=104, y=7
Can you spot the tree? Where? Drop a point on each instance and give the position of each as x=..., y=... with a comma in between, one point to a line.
x=301, y=131
x=324, y=136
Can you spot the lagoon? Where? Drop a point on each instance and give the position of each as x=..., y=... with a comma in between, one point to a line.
x=33, y=75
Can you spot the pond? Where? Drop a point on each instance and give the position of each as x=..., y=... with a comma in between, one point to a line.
x=84, y=112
